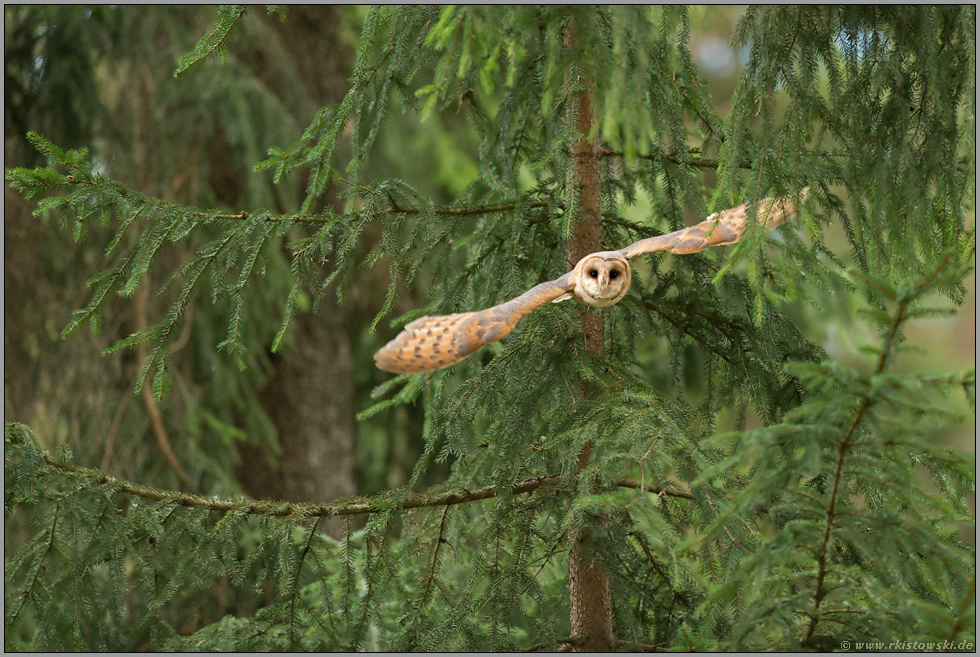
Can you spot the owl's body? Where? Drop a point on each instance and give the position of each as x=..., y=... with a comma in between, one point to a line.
x=598, y=280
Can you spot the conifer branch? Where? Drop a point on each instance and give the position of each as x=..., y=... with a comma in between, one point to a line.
x=152, y=409
x=462, y=212
x=844, y=445
x=702, y=163
x=335, y=508
x=567, y=643
x=640, y=647
x=322, y=217
x=656, y=490
x=641, y=541
x=394, y=209
x=294, y=593
x=29, y=591
x=963, y=618
x=213, y=42
x=434, y=563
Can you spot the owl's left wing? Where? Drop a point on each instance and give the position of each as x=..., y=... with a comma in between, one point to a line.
x=431, y=343
x=725, y=227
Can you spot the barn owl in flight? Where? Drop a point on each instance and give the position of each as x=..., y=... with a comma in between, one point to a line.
x=598, y=280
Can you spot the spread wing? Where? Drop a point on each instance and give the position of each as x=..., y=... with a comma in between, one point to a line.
x=725, y=227
x=431, y=343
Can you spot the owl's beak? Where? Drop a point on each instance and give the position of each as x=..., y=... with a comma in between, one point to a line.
x=603, y=279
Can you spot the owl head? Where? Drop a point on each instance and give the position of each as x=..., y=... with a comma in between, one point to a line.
x=601, y=279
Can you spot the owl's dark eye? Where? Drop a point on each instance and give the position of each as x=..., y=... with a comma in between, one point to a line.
x=594, y=273
x=613, y=274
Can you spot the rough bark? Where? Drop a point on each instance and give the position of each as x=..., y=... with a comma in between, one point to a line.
x=310, y=400
x=590, y=599
x=585, y=238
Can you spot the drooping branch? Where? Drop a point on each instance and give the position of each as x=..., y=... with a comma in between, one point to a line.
x=152, y=408
x=707, y=163
x=656, y=490
x=335, y=508
x=214, y=41
x=326, y=217
x=701, y=163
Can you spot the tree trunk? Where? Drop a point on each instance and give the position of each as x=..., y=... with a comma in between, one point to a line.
x=310, y=399
x=311, y=396
x=590, y=599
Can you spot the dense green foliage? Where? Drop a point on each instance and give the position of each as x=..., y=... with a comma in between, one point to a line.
x=804, y=499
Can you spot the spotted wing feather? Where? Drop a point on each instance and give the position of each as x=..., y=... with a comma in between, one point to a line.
x=431, y=343
x=725, y=227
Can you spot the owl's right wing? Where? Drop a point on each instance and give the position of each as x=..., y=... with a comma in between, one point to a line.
x=431, y=343
x=725, y=227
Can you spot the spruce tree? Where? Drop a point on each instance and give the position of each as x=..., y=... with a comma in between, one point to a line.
x=692, y=468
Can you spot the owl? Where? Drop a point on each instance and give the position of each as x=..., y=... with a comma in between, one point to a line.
x=598, y=280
